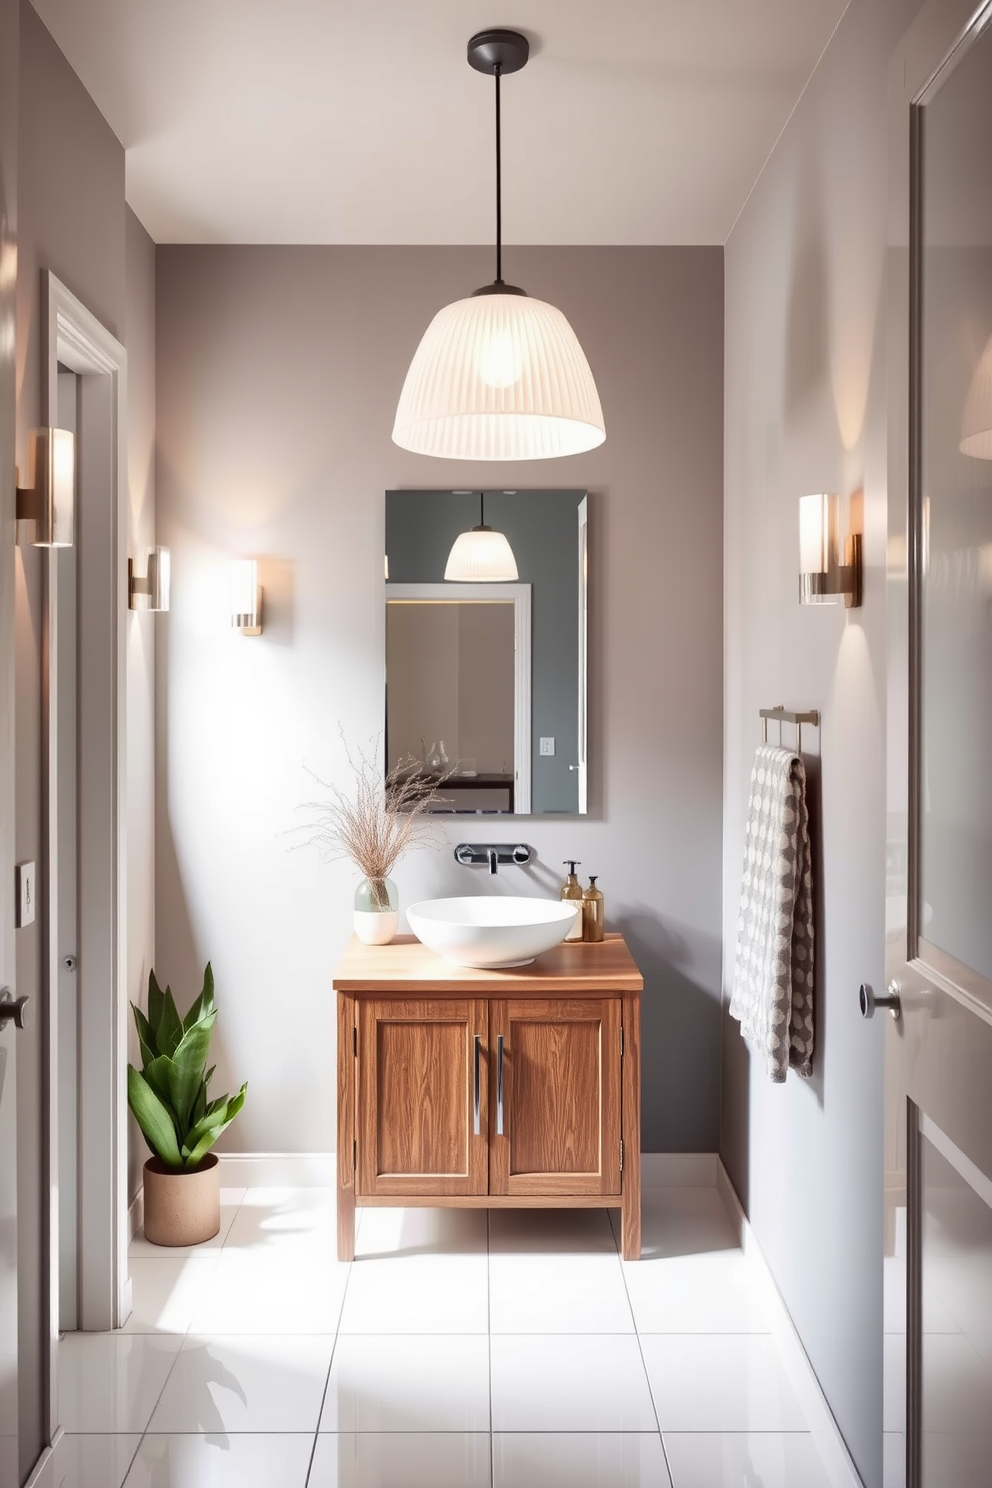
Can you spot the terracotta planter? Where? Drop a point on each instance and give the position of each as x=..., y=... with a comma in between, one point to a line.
x=182, y=1208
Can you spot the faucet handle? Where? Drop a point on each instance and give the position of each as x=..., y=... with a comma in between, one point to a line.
x=489, y=854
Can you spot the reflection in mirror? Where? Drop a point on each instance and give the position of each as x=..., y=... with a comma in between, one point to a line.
x=486, y=681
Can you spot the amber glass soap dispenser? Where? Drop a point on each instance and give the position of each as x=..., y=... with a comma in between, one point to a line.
x=571, y=893
x=593, y=912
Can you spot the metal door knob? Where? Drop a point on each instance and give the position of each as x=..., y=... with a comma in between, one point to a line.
x=870, y=1003
x=12, y=1009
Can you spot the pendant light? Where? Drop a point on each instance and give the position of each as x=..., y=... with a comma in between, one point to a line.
x=481, y=556
x=499, y=376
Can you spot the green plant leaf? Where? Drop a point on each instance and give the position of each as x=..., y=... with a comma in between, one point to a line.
x=186, y=1069
x=199, y=1105
x=156, y=1073
x=153, y=1118
x=218, y=1115
x=156, y=1001
x=209, y=1137
x=170, y=1026
x=202, y=1005
x=146, y=1038
x=209, y=1075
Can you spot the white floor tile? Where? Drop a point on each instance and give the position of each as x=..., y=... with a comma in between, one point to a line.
x=111, y=1381
x=245, y=1383
x=274, y=1219
x=230, y=1202
x=245, y=1461
x=720, y=1382
x=579, y=1460
x=83, y=1461
x=295, y=1291
x=408, y=1383
x=569, y=1383
x=893, y=1459
x=551, y=1232
x=757, y=1460
x=402, y=1460
x=410, y=1232
x=708, y=1293
x=558, y=1294
x=418, y=1294
x=165, y=1292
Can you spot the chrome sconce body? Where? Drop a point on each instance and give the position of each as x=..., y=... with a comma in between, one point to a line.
x=49, y=500
x=823, y=577
x=150, y=591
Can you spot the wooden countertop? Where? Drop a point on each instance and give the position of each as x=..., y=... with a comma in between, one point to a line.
x=405, y=965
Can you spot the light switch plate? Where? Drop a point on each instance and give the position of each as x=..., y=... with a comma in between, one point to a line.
x=25, y=894
x=547, y=746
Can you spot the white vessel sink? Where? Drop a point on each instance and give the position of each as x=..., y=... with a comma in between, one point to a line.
x=491, y=932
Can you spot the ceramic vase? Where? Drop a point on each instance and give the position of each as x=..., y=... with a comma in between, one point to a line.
x=377, y=911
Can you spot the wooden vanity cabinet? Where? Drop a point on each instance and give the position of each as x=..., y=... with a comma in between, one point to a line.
x=518, y=1088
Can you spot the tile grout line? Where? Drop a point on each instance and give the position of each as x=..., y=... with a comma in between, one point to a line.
x=489, y=1350
x=330, y=1365
x=640, y=1350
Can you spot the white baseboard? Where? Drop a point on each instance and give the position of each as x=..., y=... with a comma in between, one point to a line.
x=837, y=1462
x=277, y=1169
x=43, y=1474
x=678, y=1169
x=136, y=1214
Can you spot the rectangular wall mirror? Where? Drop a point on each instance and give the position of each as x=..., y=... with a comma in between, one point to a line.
x=486, y=679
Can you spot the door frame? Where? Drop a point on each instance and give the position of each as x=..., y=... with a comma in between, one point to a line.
x=72, y=336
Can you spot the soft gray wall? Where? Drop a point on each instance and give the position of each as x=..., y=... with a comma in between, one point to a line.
x=806, y=411
x=542, y=528
x=278, y=374
x=70, y=220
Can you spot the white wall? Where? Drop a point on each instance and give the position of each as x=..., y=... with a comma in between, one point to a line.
x=278, y=374
x=806, y=411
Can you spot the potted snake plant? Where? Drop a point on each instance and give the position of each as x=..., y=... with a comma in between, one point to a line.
x=171, y=1102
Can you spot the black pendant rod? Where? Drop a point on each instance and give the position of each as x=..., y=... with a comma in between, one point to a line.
x=499, y=186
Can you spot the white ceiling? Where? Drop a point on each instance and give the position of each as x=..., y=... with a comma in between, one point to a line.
x=359, y=121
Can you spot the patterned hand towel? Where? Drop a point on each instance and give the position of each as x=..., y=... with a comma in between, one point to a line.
x=773, y=970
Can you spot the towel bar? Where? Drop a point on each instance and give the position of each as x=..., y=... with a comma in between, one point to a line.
x=786, y=715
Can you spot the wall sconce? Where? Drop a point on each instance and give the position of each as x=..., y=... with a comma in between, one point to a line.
x=154, y=587
x=246, y=597
x=823, y=579
x=49, y=500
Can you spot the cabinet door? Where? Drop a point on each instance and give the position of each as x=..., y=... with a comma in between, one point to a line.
x=560, y=1088
x=421, y=1080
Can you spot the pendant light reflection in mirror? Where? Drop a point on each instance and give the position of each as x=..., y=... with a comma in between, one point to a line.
x=481, y=556
x=499, y=376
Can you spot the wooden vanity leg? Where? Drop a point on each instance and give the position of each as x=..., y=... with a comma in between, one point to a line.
x=630, y=1213
x=346, y=1127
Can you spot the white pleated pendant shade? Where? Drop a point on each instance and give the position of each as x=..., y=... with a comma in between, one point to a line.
x=499, y=377
x=976, y=426
x=481, y=556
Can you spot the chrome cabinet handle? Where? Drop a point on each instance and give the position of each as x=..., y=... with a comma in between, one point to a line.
x=499, y=1086
x=475, y=1106
x=869, y=1002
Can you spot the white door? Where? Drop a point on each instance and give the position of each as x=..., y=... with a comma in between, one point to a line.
x=938, y=1040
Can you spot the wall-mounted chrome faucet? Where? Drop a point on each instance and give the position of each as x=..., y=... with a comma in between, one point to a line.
x=472, y=854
